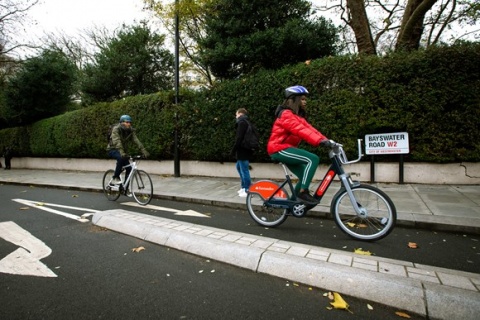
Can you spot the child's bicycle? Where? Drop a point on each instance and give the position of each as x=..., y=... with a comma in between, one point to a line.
x=361, y=211
x=138, y=184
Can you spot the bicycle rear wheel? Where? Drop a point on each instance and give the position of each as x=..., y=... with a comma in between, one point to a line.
x=111, y=191
x=378, y=215
x=141, y=187
x=260, y=212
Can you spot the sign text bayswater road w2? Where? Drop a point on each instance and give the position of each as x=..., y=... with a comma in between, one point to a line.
x=387, y=143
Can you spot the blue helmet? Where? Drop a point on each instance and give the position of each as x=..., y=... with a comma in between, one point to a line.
x=125, y=118
x=295, y=91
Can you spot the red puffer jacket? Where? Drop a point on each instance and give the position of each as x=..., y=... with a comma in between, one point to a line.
x=289, y=130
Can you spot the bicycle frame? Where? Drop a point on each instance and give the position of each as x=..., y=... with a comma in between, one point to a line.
x=134, y=167
x=336, y=168
x=278, y=198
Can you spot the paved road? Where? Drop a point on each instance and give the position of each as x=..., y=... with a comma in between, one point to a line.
x=418, y=288
x=94, y=274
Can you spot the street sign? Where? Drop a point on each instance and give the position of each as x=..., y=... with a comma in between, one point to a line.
x=387, y=143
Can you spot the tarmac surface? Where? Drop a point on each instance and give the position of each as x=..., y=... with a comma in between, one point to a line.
x=433, y=292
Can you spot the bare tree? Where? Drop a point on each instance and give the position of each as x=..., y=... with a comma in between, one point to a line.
x=361, y=27
x=403, y=24
x=191, y=20
x=13, y=16
x=412, y=26
x=80, y=48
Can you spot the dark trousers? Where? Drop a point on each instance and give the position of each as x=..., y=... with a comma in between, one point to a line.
x=121, y=162
x=7, y=162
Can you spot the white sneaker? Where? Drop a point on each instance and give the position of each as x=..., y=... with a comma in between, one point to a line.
x=242, y=194
x=116, y=181
x=241, y=190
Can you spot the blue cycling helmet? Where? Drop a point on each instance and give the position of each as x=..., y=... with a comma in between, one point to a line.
x=295, y=91
x=125, y=118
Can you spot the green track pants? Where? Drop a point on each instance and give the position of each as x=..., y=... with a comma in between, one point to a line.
x=302, y=163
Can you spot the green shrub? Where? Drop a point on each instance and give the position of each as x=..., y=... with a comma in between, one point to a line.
x=432, y=94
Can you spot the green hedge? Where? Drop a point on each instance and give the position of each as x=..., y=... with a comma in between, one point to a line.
x=432, y=94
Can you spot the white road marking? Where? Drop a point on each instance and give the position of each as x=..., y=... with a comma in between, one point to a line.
x=45, y=206
x=24, y=260
x=190, y=213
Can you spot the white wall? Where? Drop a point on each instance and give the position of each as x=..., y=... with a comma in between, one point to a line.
x=423, y=173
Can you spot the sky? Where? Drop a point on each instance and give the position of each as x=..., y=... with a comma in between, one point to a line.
x=73, y=17
x=70, y=16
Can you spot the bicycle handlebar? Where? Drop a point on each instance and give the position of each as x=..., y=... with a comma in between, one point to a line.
x=136, y=157
x=343, y=157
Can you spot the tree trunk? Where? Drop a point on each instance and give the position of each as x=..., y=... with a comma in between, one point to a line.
x=411, y=29
x=361, y=26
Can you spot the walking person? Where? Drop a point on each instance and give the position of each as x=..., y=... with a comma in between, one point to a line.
x=122, y=136
x=8, y=154
x=289, y=129
x=241, y=154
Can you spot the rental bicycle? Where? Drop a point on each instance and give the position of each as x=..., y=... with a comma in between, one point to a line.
x=138, y=184
x=362, y=211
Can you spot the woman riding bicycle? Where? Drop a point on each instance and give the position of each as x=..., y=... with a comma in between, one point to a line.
x=289, y=129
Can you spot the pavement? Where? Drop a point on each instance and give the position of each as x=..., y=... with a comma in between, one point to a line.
x=432, y=292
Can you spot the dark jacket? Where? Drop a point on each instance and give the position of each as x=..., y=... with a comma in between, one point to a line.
x=121, y=139
x=238, y=151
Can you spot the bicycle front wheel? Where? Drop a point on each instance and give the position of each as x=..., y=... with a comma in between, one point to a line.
x=141, y=187
x=376, y=220
x=111, y=191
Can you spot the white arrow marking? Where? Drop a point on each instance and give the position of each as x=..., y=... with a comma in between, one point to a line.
x=191, y=213
x=25, y=260
x=44, y=206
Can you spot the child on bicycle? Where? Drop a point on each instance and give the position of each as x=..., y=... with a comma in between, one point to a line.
x=123, y=134
x=289, y=129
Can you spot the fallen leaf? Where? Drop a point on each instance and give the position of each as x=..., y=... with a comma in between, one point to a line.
x=24, y=208
x=308, y=62
x=402, y=314
x=369, y=307
x=138, y=249
x=362, y=225
x=351, y=224
x=330, y=296
x=360, y=251
x=39, y=204
x=412, y=245
x=339, y=303
x=74, y=196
